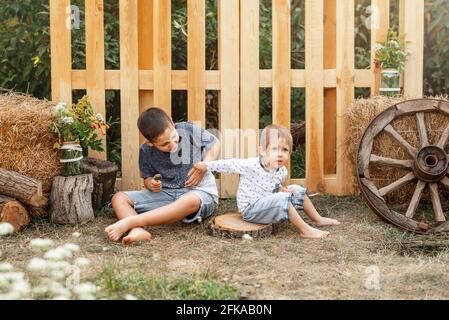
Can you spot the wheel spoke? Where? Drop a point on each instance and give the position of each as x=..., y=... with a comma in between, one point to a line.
x=415, y=199
x=436, y=202
x=397, y=184
x=421, y=125
x=400, y=140
x=443, y=138
x=391, y=162
x=445, y=182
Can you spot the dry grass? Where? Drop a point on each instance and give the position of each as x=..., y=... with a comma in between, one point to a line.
x=283, y=266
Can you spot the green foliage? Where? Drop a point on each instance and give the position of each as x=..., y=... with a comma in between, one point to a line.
x=201, y=287
x=392, y=53
x=25, y=46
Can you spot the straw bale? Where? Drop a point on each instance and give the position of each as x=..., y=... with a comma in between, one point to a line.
x=26, y=144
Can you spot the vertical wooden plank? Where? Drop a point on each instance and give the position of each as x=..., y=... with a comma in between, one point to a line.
x=314, y=27
x=412, y=25
x=61, y=51
x=162, y=54
x=281, y=63
x=95, y=84
x=345, y=87
x=330, y=94
x=249, y=77
x=145, y=51
x=129, y=85
x=380, y=23
x=196, y=53
x=229, y=63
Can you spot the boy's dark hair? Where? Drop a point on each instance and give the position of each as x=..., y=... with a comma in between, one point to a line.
x=153, y=122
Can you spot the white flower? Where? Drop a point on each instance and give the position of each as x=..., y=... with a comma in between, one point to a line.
x=130, y=297
x=57, y=275
x=22, y=288
x=200, y=220
x=82, y=262
x=4, y=282
x=6, y=228
x=61, y=105
x=37, y=265
x=14, y=276
x=59, y=253
x=378, y=47
x=247, y=237
x=58, y=265
x=76, y=234
x=68, y=120
x=41, y=244
x=99, y=117
x=105, y=249
x=72, y=247
x=85, y=291
x=6, y=267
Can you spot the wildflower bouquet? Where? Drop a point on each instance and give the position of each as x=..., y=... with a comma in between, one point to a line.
x=392, y=53
x=75, y=128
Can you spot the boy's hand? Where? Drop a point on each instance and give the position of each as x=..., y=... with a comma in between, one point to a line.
x=196, y=174
x=154, y=185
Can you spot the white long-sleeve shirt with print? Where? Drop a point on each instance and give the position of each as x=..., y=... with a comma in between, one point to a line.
x=255, y=181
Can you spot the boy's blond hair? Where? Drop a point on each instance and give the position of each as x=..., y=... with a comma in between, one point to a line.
x=274, y=131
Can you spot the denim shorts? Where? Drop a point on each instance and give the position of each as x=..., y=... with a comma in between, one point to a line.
x=274, y=208
x=146, y=200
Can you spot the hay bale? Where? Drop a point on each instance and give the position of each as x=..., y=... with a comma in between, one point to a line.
x=26, y=142
x=360, y=114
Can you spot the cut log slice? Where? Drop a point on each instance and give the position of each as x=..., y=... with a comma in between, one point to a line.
x=71, y=199
x=231, y=225
x=14, y=212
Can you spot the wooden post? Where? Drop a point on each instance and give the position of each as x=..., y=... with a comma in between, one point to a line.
x=330, y=94
x=61, y=51
x=314, y=94
x=229, y=65
x=162, y=54
x=345, y=88
x=129, y=84
x=411, y=22
x=249, y=77
x=380, y=23
x=95, y=63
x=196, y=74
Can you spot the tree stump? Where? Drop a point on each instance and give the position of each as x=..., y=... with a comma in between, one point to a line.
x=71, y=199
x=104, y=174
x=231, y=225
x=14, y=212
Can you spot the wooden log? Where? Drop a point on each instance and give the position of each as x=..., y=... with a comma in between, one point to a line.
x=14, y=212
x=25, y=189
x=231, y=225
x=71, y=199
x=104, y=174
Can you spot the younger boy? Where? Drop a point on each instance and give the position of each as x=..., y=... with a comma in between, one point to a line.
x=183, y=194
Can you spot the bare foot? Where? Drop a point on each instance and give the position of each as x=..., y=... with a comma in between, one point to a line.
x=313, y=233
x=135, y=235
x=116, y=230
x=326, y=222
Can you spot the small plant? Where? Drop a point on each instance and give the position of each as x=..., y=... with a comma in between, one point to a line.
x=75, y=129
x=392, y=53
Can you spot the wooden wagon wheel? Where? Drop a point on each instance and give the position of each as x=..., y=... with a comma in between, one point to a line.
x=427, y=165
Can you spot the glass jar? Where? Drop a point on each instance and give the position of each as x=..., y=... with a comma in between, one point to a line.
x=390, y=82
x=70, y=158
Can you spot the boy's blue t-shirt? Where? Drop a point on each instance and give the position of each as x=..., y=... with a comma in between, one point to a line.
x=173, y=167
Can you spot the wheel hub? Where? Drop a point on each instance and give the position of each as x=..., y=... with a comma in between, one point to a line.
x=430, y=164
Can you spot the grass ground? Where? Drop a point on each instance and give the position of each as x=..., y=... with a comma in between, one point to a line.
x=186, y=262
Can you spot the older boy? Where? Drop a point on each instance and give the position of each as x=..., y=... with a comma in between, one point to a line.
x=182, y=194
